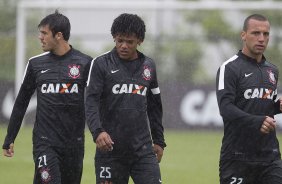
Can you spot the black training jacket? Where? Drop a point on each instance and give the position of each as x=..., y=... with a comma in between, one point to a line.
x=59, y=82
x=246, y=93
x=127, y=106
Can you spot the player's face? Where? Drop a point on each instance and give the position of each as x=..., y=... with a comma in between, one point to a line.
x=255, y=38
x=126, y=46
x=48, y=41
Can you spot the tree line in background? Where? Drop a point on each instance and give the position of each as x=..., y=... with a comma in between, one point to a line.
x=184, y=49
x=7, y=39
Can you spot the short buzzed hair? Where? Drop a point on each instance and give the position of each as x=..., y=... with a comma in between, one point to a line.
x=255, y=17
x=128, y=24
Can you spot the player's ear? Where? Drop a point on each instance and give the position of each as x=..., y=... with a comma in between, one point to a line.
x=139, y=42
x=59, y=35
x=243, y=36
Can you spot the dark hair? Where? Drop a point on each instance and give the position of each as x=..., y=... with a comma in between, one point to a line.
x=57, y=22
x=255, y=17
x=127, y=24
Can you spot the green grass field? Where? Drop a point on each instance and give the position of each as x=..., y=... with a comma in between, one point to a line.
x=191, y=157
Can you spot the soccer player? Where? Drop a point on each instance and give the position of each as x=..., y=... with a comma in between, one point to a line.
x=246, y=95
x=59, y=78
x=124, y=109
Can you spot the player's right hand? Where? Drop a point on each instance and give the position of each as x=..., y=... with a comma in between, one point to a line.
x=9, y=152
x=104, y=142
x=268, y=125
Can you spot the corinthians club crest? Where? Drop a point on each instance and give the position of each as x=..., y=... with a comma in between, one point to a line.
x=147, y=73
x=45, y=175
x=74, y=71
x=271, y=77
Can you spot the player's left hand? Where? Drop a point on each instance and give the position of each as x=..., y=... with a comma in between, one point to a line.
x=268, y=125
x=159, y=152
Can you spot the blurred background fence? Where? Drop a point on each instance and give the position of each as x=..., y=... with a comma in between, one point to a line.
x=187, y=39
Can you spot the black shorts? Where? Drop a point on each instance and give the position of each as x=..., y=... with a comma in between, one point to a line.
x=242, y=172
x=144, y=170
x=54, y=165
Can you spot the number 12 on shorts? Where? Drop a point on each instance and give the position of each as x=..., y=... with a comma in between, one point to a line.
x=105, y=172
x=236, y=180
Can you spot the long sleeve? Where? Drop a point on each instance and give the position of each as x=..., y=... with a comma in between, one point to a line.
x=93, y=93
x=277, y=103
x=277, y=107
x=226, y=96
x=155, y=113
x=27, y=89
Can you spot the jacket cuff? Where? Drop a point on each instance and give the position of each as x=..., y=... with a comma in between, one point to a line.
x=161, y=144
x=6, y=144
x=96, y=133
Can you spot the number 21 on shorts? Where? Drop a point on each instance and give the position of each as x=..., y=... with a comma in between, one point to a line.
x=42, y=161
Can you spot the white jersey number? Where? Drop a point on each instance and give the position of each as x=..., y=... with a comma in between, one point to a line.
x=42, y=161
x=105, y=173
x=236, y=180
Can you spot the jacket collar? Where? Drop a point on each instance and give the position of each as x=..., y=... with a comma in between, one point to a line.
x=141, y=56
x=250, y=59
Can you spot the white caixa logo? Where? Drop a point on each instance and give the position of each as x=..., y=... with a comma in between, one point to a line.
x=59, y=88
x=129, y=88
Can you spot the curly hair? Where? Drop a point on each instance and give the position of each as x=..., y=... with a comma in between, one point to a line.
x=128, y=24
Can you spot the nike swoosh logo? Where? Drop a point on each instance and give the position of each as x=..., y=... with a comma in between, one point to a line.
x=160, y=180
x=43, y=71
x=114, y=71
x=247, y=75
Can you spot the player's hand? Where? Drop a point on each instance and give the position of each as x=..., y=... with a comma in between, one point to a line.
x=104, y=142
x=9, y=152
x=159, y=152
x=268, y=125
